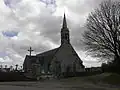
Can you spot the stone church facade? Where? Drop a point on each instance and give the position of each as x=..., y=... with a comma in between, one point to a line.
x=58, y=60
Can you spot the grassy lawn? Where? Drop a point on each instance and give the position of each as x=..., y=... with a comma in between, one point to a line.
x=74, y=83
x=105, y=78
x=113, y=79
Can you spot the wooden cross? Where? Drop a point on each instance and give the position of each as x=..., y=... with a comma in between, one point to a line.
x=30, y=50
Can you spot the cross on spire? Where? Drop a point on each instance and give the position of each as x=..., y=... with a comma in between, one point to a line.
x=30, y=50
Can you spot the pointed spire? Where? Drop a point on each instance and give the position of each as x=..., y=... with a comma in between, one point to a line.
x=64, y=22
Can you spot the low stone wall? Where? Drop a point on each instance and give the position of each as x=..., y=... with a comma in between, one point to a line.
x=78, y=74
x=19, y=76
x=13, y=76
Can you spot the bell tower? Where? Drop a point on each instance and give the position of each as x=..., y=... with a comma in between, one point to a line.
x=64, y=32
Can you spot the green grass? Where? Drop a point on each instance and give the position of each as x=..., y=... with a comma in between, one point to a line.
x=112, y=79
x=107, y=78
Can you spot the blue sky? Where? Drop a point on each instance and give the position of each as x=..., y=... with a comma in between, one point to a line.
x=3, y=54
x=39, y=27
x=10, y=33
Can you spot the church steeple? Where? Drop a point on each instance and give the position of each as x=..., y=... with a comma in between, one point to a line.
x=64, y=32
x=64, y=22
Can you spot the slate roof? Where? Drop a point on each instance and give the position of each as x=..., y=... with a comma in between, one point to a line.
x=67, y=54
x=48, y=55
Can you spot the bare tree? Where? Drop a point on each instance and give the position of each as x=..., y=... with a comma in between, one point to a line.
x=11, y=68
x=1, y=66
x=5, y=66
x=102, y=37
x=16, y=67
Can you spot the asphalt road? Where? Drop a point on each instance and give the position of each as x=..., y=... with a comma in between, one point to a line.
x=55, y=85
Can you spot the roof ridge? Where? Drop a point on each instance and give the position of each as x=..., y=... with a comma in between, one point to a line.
x=56, y=51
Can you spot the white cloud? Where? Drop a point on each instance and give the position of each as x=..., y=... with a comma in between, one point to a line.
x=39, y=28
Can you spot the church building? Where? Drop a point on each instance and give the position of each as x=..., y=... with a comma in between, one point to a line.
x=58, y=60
